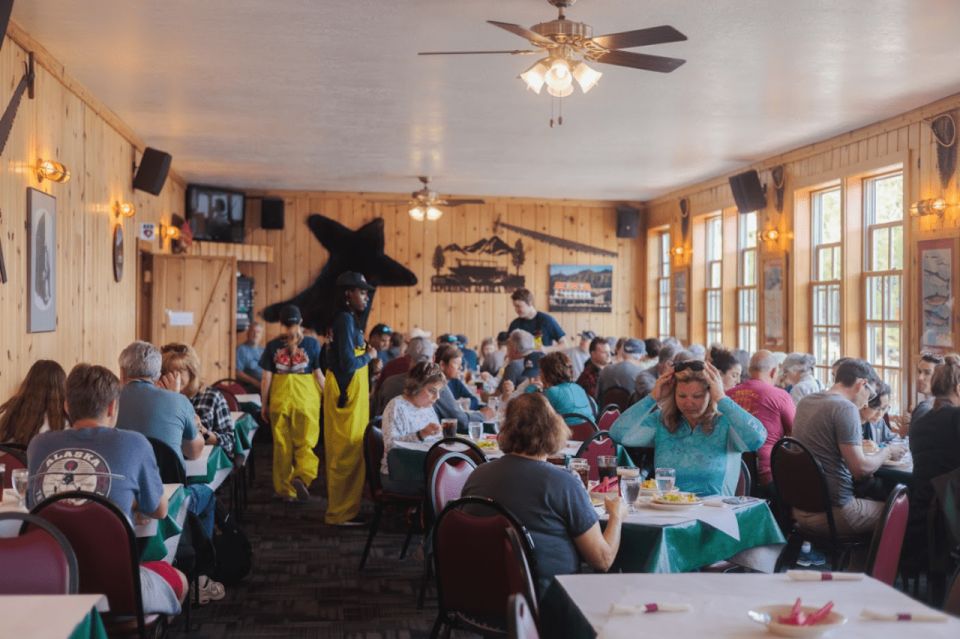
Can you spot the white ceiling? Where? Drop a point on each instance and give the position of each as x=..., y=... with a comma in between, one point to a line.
x=330, y=95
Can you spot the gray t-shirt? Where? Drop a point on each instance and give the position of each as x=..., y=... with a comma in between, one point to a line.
x=157, y=413
x=548, y=500
x=623, y=374
x=823, y=422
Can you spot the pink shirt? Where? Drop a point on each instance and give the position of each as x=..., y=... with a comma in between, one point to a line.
x=775, y=410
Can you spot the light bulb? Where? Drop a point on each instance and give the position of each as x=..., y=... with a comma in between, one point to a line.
x=562, y=92
x=586, y=77
x=433, y=213
x=558, y=77
x=416, y=213
x=938, y=205
x=535, y=76
x=126, y=209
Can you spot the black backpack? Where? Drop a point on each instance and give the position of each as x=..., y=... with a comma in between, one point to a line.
x=234, y=554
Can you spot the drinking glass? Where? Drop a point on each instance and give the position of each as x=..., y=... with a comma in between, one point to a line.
x=606, y=466
x=582, y=468
x=449, y=427
x=464, y=403
x=627, y=472
x=630, y=490
x=19, y=480
x=666, y=478
x=475, y=430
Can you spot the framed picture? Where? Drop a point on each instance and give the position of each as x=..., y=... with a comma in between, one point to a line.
x=42, y=261
x=581, y=288
x=937, y=291
x=680, y=314
x=774, y=279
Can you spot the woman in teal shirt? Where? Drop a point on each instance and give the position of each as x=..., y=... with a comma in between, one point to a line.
x=696, y=429
x=556, y=373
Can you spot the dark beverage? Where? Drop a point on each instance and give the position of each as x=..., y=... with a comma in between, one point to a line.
x=606, y=471
x=584, y=476
x=449, y=427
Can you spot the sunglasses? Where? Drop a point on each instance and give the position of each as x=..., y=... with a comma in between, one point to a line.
x=694, y=365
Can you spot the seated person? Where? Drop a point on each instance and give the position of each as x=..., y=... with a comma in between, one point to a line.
x=565, y=396
x=419, y=349
x=248, y=358
x=925, y=367
x=410, y=417
x=450, y=359
x=547, y=499
x=599, y=358
x=36, y=407
x=698, y=430
x=875, y=428
x=130, y=478
x=728, y=365
x=180, y=372
x=624, y=372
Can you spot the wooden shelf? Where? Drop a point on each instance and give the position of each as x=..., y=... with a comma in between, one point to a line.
x=243, y=252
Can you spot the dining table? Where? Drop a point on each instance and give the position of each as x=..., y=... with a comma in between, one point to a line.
x=52, y=616
x=212, y=467
x=244, y=429
x=716, y=605
x=892, y=472
x=249, y=398
x=158, y=538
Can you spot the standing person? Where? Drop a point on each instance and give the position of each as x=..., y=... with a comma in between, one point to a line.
x=547, y=334
x=346, y=406
x=290, y=393
x=37, y=405
x=580, y=354
x=248, y=357
x=589, y=379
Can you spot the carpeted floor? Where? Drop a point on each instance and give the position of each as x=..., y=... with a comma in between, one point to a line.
x=305, y=581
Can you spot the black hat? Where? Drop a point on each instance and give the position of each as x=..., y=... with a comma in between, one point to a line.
x=290, y=314
x=351, y=279
x=590, y=335
x=381, y=329
x=502, y=337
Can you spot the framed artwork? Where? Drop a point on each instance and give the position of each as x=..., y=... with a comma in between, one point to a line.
x=581, y=288
x=680, y=313
x=118, y=253
x=937, y=284
x=774, y=279
x=42, y=261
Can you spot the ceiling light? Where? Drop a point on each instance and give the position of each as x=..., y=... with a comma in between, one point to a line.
x=433, y=213
x=585, y=76
x=559, y=77
x=125, y=209
x=560, y=93
x=52, y=170
x=535, y=76
x=417, y=213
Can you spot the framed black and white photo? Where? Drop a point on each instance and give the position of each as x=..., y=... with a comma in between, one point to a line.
x=42, y=261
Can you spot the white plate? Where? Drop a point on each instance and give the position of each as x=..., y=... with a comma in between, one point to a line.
x=663, y=505
x=833, y=620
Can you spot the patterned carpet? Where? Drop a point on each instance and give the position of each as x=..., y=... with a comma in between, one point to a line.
x=305, y=581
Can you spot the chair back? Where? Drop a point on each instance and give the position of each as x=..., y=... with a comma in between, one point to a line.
x=452, y=444
x=230, y=385
x=39, y=561
x=593, y=406
x=477, y=565
x=745, y=482
x=883, y=560
x=798, y=477
x=616, y=395
x=105, y=545
x=373, y=455
x=446, y=480
x=520, y=621
x=607, y=418
x=599, y=443
x=581, y=427
x=171, y=468
x=12, y=457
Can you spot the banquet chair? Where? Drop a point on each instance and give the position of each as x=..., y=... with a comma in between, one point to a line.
x=12, y=457
x=39, y=561
x=801, y=484
x=883, y=559
x=594, y=408
x=617, y=395
x=452, y=444
x=581, y=427
x=106, y=549
x=372, y=454
x=607, y=418
x=599, y=443
x=482, y=555
x=171, y=468
x=745, y=482
x=520, y=623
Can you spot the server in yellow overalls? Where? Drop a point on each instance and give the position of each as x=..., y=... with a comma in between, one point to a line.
x=290, y=390
x=346, y=403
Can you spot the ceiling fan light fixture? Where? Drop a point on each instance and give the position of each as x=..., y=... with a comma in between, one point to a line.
x=585, y=76
x=433, y=213
x=417, y=213
x=561, y=92
x=535, y=76
x=559, y=77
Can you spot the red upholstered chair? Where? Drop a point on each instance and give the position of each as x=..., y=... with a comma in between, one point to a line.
x=581, y=427
x=883, y=560
x=12, y=457
x=616, y=395
x=448, y=445
x=597, y=444
x=607, y=419
x=479, y=565
x=520, y=621
x=39, y=561
x=106, y=549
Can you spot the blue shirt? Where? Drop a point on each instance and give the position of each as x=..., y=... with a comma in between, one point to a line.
x=543, y=327
x=460, y=390
x=116, y=464
x=471, y=361
x=157, y=413
x=341, y=354
x=278, y=359
x=248, y=360
x=569, y=398
x=705, y=464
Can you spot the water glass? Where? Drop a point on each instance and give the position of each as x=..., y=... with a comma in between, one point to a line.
x=475, y=430
x=606, y=466
x=449, y=427
x=19, y=480
x=630, y=490
x=582, y=468
x=666, y=478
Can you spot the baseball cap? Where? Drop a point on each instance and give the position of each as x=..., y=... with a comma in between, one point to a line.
x=531, y=364
x=383, y=329
x=588, y=335
x=419, y=332
x=634, y=346
x=448, y=338
x=290, y=314
x=352, y=279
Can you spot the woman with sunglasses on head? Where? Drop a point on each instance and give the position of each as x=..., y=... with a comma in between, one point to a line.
x=694, y=427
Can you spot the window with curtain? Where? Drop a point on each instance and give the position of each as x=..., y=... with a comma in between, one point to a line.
x=663, y=284
x=883, y=281
x=747, y=269
x=714, y=279
x=826, y=274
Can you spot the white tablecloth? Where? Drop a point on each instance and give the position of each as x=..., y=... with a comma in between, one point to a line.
x=571, y=448
x=722, y=517
x=250, y=398
x=149, y=527
x=198, y=467
x=721, y=601
x=45, y=616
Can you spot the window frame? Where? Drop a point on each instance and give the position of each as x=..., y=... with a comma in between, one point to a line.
x=826, y=287
x=743, y=290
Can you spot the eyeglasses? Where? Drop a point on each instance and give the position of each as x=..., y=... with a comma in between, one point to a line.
x=694, y=365
x=873, y=390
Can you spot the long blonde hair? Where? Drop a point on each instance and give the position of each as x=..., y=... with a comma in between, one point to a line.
x=671, y=416
x=294, y=336
x=183, y=358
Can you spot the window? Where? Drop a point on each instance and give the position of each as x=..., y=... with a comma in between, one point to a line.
x=747, y=282
x=714, y=280
x=663, y=284
x=826, y=273
x=883, y=280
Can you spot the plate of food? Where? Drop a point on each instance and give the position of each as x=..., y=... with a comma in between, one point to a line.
x=675, y=501
x=798, y=620
x=487, y=444
x=649, y=488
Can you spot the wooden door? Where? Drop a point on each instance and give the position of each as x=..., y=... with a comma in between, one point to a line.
x=192, y=300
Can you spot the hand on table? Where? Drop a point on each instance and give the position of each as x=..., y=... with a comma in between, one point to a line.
x=616, y=507
x=429, y=430
x=897, y=451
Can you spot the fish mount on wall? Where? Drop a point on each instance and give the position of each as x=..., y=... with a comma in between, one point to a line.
x=478, y=271
x=360, y=250
x=554, y=240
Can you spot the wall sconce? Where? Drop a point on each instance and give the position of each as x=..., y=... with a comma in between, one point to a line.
x=770, y=235
x=933, y=206
x=678, y=250
x=124, y=209
x=169, y=232
x=53, y=171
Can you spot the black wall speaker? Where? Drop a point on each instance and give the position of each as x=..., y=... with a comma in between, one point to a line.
x=748, y=193
x=271, y=213
x=628, y=222
x=152, y=172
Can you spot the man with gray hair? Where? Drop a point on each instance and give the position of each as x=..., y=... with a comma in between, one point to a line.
x=520, y=344
x=798, y=369
x=419, y=349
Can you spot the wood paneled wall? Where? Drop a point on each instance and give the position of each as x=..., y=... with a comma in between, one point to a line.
x=96, y=315
x=298, y=258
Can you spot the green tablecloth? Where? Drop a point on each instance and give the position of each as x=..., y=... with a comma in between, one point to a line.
x=692, y=545
x=154, y=548
x=242, y=430
x=218, y=461
x=90, y=628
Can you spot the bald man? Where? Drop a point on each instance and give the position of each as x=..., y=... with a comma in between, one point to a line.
x=771, y=405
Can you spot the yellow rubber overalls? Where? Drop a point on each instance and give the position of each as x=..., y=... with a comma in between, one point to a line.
x=295, y=422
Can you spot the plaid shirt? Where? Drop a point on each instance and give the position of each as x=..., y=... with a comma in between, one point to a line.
x=214, y=414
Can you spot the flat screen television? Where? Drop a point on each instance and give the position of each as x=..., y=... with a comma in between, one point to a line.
x=215, y=214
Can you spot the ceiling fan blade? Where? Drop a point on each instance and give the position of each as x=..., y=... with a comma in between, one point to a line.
x=523, y=32
x=511, y=52
x=640, y=61
x=639, y=37
x=460, y=202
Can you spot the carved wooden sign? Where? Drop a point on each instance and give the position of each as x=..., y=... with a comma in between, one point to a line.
x=481, y=267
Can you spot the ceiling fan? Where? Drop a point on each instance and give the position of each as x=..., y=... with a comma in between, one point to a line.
x=426, y=203
x=567, y=46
